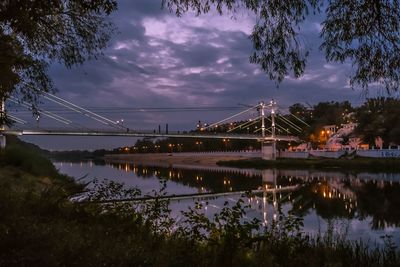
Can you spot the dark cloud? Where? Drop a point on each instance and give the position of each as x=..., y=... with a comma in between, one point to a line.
x=158, y=60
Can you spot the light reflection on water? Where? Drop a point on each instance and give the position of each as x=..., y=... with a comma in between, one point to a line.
x=361, y=206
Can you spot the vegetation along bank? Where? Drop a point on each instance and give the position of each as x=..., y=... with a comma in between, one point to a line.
x=41, y=226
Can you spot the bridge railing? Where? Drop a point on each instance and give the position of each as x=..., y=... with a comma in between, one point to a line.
x=139, y=131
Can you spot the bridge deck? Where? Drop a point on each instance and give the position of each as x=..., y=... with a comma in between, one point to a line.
x=147, y=134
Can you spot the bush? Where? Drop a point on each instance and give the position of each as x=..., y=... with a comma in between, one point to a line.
x=41, y=226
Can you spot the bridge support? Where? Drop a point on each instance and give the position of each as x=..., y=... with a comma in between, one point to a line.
x=268, y=150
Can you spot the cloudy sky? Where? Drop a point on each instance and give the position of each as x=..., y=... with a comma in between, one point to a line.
x=159, y=60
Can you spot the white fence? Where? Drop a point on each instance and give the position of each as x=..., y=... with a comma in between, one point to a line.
x=293, y=154
x=379, y=153
x=239, y=153
x=367, y=153
x=300, y=154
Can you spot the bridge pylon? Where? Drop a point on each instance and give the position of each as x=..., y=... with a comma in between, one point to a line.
x=268, y=148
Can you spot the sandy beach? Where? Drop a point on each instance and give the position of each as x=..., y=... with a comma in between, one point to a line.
x=199, y=159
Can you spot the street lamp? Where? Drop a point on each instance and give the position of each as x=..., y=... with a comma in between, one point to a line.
x=120, y=122
x=324, y=136
x=179, y=147
x=226, y=142
x=198, y=143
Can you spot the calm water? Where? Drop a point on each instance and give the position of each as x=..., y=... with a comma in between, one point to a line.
x=361, y=206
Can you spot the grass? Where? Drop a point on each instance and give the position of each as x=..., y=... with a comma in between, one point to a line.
x=41, y=226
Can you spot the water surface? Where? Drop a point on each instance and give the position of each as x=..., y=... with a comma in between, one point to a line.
x=356, y=205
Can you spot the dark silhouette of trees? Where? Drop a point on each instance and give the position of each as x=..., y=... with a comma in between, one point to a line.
x=362, y=32
x=379, y=117
x=321, y=114
x=35, y=33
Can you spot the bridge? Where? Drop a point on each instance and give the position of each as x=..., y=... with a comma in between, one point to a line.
x=50, y=132
x=267, y=136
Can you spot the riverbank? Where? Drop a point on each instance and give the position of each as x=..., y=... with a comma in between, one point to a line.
x=242, y=161
x=355, y=164
x=168, y=159
x=41, y=226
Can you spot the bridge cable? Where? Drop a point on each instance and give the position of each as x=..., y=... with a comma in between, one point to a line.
x=49, y=114
x=245, y=124
x=266, y=129
x=17, y=120
x=76, y=110
x=42, y=112
x=276, y=124
x=231, y=117
x=290, y=124
x=86, y=112
x=302, y=121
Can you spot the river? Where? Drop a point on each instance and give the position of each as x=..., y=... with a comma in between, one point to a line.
x=360, y=206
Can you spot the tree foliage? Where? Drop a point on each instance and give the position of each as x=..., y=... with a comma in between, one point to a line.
x=41, y=226
x=322, y=114
x=332, y=113
x=35, y=33
x=378, y=117
x=364, y=33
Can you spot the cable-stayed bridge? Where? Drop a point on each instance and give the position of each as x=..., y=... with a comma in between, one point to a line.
x=105, y=132
x=267, y=117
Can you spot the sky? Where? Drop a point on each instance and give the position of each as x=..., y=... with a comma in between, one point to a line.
x=156, y=59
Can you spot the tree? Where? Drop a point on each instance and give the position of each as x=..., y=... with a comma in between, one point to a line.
x=301, y=112
x=329, y=113
x=322, y=114
x=362, y=32
x=35, y=33
x=378, y=117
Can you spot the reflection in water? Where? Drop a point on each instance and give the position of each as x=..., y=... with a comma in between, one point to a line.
x=331, y=194
x=354, y=199
x=203, y=180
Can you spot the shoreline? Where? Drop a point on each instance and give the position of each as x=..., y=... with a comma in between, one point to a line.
x=37, y=210
x=168, y=159
x=215, y=160
x=391, y=165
